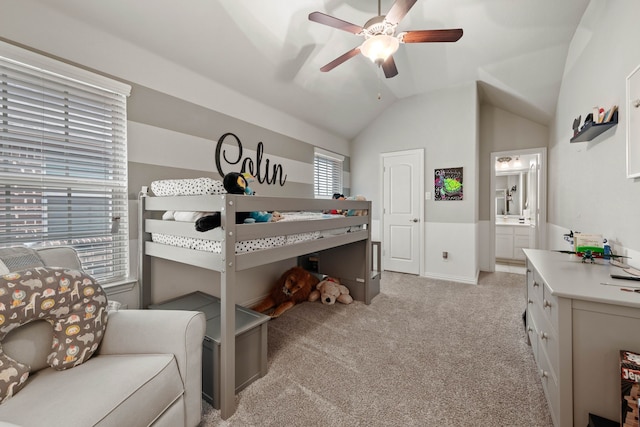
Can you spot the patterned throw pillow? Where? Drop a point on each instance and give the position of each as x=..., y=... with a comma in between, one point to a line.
x=70, y=300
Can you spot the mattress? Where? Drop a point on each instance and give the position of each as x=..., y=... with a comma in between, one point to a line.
x=241, y=247
x=258, y=244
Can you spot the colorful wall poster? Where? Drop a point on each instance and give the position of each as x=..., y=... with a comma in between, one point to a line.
x=448, y=184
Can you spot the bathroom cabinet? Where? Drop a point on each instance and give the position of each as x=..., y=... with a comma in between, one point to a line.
x=511, y=239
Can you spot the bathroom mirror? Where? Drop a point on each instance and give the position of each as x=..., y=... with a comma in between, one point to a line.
x=511, y=192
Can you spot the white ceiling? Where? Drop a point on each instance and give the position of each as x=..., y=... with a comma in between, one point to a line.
x=270, y=51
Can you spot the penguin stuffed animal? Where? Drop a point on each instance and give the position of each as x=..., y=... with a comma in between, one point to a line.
x=234, y=183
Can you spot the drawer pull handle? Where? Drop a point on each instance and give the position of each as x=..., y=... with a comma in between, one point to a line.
x=544, y=335
x=528, y=270
x=529, y=329
x=547, y=303
x=535, y=284
x=543, y=373
x=530, y=301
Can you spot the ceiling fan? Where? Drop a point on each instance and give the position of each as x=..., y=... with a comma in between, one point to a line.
x=380, y=38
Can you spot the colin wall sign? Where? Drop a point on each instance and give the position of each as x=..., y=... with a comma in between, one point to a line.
x=261, y=168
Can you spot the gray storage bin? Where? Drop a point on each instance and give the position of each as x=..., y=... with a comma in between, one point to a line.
x=251, y=342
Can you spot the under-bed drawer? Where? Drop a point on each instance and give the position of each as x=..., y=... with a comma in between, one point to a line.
x=251, y=342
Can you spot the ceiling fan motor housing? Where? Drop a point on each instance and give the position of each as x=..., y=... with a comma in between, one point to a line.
x=378, y=25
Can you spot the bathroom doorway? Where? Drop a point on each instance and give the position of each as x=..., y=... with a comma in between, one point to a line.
x=518, y=206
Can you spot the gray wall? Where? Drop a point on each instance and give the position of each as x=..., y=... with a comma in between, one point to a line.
x=445, y=124
x=197, y=129
x=501, y=130
x=588, y=188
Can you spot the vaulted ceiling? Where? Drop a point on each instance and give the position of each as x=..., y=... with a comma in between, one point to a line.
x=270, y=51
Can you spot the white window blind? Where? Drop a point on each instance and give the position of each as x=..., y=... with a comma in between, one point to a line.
x=63, y=163
x=327, y=173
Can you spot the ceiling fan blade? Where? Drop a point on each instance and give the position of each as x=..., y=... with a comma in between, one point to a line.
x=339, y=60
x=430, y=36
x=399, y=10
x=325, y=19
x=389, y=68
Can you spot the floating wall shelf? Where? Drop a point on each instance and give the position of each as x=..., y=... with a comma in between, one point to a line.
x=591, y=130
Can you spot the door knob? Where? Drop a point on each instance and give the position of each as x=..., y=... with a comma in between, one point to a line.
x=414, y=220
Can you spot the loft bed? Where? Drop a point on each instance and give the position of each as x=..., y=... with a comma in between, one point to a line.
x=347, y=256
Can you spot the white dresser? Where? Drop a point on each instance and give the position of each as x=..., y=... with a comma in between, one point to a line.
x=576, y=327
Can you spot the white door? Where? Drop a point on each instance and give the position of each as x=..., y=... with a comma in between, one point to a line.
x=403, y=184
x=533, y=204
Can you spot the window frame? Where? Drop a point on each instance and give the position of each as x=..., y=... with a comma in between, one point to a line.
x=334, y=162
x=106, y=258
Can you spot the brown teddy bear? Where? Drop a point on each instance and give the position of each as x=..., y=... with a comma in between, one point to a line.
x=329, y=290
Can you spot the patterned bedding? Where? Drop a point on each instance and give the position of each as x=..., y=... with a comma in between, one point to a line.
x=187, y=187
x=241, y=247
x=258, y=244
x=208, y=186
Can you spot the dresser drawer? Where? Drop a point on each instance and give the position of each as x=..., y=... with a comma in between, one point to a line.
x=550, y=385
x=547, y=340
x=532, y=332
x=550, y=306
x=535, y=286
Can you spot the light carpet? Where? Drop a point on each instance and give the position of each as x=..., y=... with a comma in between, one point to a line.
x=423, y=353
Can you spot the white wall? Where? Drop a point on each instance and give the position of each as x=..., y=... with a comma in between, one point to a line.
x=588, y=188
x=444, y=123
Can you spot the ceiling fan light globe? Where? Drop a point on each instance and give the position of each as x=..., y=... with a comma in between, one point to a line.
x=379, y=47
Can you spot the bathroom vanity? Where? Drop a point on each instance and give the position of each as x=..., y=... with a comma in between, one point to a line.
x=511, y=237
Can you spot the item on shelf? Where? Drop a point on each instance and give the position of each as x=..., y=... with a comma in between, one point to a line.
x=576, y=125
x=587, y=121
x=610, y=113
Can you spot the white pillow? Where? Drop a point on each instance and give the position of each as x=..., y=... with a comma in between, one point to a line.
x=184, y=216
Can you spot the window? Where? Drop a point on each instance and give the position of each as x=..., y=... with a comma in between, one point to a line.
x=63, y=161
x=327, y=173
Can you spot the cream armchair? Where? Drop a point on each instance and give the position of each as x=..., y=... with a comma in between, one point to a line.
x=146, y=372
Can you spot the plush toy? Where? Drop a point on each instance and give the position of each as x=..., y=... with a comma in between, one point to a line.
x=329, y=291
x=293, y=287
x=356, y=212
x=336, y=196
x=236, y=183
